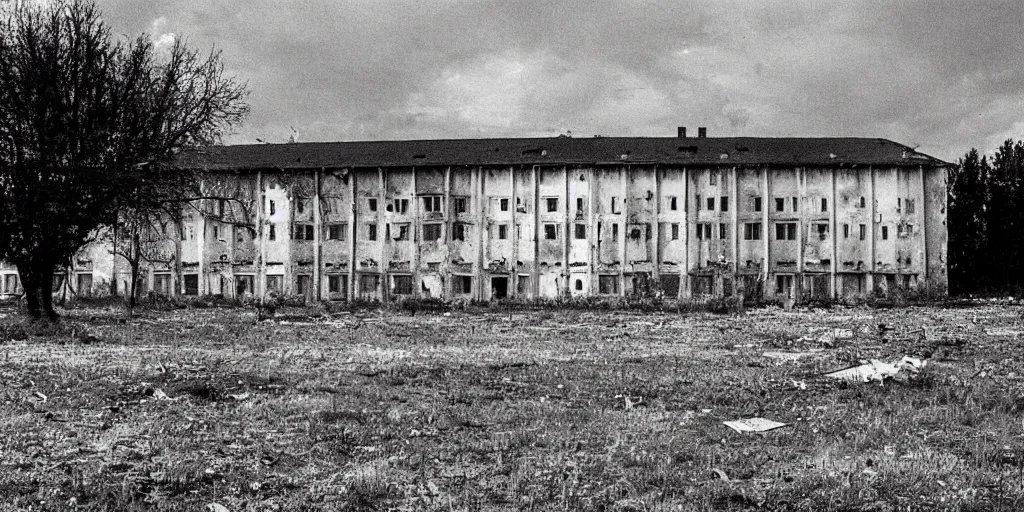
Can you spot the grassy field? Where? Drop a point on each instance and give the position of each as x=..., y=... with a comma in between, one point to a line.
x=562, y=410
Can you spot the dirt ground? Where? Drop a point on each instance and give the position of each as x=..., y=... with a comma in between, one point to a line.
x=537, y=410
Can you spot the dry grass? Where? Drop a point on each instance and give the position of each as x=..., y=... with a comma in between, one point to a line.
x=477, y=411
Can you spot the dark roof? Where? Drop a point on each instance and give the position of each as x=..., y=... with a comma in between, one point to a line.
x=727, y=151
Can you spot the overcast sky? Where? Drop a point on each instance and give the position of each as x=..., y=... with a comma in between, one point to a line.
x=944, y=75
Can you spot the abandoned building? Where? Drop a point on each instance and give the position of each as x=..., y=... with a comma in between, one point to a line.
x=685, y=217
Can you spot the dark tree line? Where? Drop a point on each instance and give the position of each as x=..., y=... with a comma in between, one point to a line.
x=87, y=126
x=986, y=222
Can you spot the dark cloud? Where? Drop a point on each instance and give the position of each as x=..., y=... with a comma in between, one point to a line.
x=945, y=75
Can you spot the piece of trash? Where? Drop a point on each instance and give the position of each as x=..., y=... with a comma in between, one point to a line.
x=753, y=425
x=240, y=396
x=799, y=384
x=792, y=356
x=160, y=395
x=721, y=474
x=42, y=397
x=843, y=334
x=878, y=370
x=216, y=507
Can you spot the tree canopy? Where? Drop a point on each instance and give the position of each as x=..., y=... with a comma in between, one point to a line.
x=88, y=124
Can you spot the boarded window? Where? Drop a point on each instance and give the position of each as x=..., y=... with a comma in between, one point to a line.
x=462, y=285
x=337, y=231
x=369, y=283
x=401, y=285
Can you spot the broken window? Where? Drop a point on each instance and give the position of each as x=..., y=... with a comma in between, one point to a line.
x=615, y=204
x=401, y=232
x=910, y=205
x=579, y=204
x=458, y=231
x=703, y=285
x=221, y=204
x=675, y=231
x=757, y=203
x=615, y=232
x=785, y=231
x=371, y=203
x=752, y=231
x=713, y=178
x=780, y=204
x=371, y=232
x=401, y=285
x=724, y=200
x=824, y=204
x=703, y=231
x=846, y=230
x=431, y=232
x=552, y=203
x=460, y=204
x=885, y=232
x=822, y=230
x=337, y=231
x=608, y=285
x=550, y=232
x=273, y=207
x=581, y=231
x=302, y=231
x=432, y=204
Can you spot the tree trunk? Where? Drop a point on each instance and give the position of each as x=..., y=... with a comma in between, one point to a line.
x=46, y=292
x=30, y=283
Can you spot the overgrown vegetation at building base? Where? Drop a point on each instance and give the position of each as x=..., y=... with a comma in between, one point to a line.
x=577, y=410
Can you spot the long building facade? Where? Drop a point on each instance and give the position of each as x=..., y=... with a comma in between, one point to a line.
x=490, y=219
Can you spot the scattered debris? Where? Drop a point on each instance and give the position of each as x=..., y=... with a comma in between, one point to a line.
x=800, y=384
x=159, y=394
x=753, y=425
x=1003, y=332
x=720, y=474
x=240, y=396
x=878, y=370
x=792, y=356
x=216, y=507
x=42, y=397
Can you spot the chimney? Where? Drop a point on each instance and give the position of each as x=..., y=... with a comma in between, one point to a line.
x=702, y=132
x=682, y=132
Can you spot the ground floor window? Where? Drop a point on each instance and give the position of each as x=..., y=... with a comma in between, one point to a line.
x=275, y=284
x=369, y=283
x=191, y=284
x=670, y=285
x=337, y=284
x=462, y=285
x=784, y=285
x=302, y=285
x=11, y=283
x=608, y=285
x=818, y=286
x=523, y=286
x=401, y=285
x=703, y=285
x=244, y=285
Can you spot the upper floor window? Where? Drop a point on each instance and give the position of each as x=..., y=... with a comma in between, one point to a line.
x=552, y=203
x=432, y=203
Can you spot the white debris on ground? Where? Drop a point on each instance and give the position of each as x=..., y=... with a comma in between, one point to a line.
x=876, y=370
x=753, y=425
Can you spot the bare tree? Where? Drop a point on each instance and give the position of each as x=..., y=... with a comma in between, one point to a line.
x=87, y=127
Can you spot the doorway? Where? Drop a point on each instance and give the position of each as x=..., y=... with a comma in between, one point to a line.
x=499, y=287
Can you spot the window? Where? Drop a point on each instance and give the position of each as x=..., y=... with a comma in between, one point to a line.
x=369, y=283
x=552, y=203
x=780, y=204
x=221, y=206
x=432, y=204
x=703, y=231
x=711, y=204
x=675, y=231
x=503, y=204
x=824, y=204
x=461, y=285
x=431, y=232
x=401, y=233
x=240, y=234
x=460, y=204
x=698, y=202
x=274, y=283
x=885, y=232
x=608, y=285
x=371, y=203
x=899, y=203
x=579, y=284
x=550, y=232
x=648, y=233
x=752, y=231
x=337, y=231
x=333, y=284
x=721, y=231
x=300, y=206
x=863, y=231
x=863, y=203
x=273, y=207
x=273, y=233
x=822, y=230
x=581, y=231
x=401, y=285
x=579, y=204
x=757, y=204
x=725, y=203
x=615, y=204
x=502, y=231
x=785, y=231
x=673, y=203
x=371, y=232
x=796, y=205
x=910, y=205
x=458, y=231
x=302, y=231
x=400, y=205
x=216, y=232
x=191, y=283
x=615, y=232
x=846, y=231
x=713, y=178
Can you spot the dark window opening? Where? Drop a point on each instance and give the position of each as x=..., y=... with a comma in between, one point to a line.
x=711, y=204
x=431, y=232
x=550, y=233
x=581, y=231
x=458, y=231
x=725, y=203
x=503, y=205
x=499, y=287
x=780, y=204
x=673, y=203
x=502, y=231
x=863, y=231
x=579, y=284
x=401, y=285
x=608, y=285
x=885, y=232
x=273, y=208
x=752, y=231
x=675, y=231
x=552, y=203
x=273, y=233
x=460, y=205
x=372, y=204
x=371, y=232
x=757, y=204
